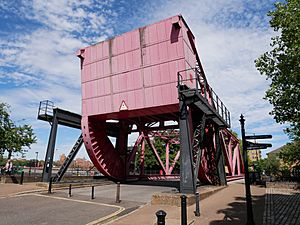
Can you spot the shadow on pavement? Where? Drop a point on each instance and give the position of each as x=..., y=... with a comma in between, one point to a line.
x=164, y=183
x=236, y=212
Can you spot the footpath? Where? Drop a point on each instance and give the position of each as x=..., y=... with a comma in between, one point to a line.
x=226, y=207
x=271, y=206
x=13, y=189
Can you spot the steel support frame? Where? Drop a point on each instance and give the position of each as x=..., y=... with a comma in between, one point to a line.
x=61, y=117
x=47, y=170
x=187, y=179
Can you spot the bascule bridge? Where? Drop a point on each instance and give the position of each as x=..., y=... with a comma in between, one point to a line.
x=150, y=81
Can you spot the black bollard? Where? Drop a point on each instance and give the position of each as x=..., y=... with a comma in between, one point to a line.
x=70, y=190
x=118, y=193
x=197, y=211
x=50, y=186
x=183, y=210
x=22, y=178
x=161, y=217
x=93, y=192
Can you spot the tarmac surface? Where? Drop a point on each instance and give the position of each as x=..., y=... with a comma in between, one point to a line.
x=27, y=204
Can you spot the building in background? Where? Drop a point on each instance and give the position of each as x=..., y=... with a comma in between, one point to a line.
x=254, y=155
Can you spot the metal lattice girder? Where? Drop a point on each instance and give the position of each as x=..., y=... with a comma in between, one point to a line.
x=231, y=150
x=69, y=159
x=220, y=159
x=198, y=145
x=167, y=136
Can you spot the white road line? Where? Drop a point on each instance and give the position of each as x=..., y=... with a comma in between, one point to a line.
x=120, y=209
x=80, y=201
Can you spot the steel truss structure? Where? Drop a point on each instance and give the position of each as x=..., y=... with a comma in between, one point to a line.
x=137, y=83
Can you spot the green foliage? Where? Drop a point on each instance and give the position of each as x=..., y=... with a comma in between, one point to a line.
x=281, y=65
x=270, y=165
x=13, y=138
x=290, y=155
x=150, y=159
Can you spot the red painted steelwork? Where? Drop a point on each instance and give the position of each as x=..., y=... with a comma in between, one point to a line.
x=138, y=69
x=231, y=148
x=132, y=78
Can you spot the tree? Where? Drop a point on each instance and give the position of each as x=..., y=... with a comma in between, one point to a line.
x=281, y=65
x=151, y=162
x=13, y=138
x=290, y=155
x=270, y=165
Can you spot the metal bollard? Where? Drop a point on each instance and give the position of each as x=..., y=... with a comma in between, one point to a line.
x=22, y=178
x=197, y=211
x=93, y=192
x=118, y=193
x=161, y=217
x=183, y=210
x=50, y=186
x=70, y=191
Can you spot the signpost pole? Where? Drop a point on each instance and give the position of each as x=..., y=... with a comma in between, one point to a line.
x=250, y=220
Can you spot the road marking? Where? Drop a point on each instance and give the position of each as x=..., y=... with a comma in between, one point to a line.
x=120, y=209
x=76, y=200
x=20, y=193
x=106, y=217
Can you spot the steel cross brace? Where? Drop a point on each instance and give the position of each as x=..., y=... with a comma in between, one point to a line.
x=197, y=146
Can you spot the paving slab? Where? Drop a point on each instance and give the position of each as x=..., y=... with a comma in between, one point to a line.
x=12, y=189
x=282, y=206
x=226, y=206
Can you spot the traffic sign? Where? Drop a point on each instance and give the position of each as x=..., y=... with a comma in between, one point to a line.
x=253, y=146
x=267, y=136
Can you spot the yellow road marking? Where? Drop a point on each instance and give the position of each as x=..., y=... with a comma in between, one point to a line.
x=106, y=217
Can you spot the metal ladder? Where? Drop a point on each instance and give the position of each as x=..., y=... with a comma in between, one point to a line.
x=69, y=159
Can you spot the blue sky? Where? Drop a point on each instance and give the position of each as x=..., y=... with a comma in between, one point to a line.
x=38, y=41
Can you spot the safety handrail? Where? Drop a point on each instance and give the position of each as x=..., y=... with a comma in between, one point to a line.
x=195, y=80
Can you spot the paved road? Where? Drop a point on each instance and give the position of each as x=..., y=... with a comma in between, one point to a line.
x=137, y=193
x=39, y=209
x=226, y=207
x=58, y=209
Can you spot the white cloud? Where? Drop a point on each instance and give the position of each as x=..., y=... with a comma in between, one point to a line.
x=229, y=34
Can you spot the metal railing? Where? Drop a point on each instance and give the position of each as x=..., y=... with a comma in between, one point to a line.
x=192, y=79
x=46, y=108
